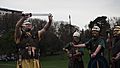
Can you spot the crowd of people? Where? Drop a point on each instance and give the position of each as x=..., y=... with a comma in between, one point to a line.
x=96, y=46
x=27, y=39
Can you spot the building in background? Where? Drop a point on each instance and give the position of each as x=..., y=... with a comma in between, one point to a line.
x=4, y=11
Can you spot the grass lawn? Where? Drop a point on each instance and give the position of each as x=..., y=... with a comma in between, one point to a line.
x=5, y=64
x=59, y=61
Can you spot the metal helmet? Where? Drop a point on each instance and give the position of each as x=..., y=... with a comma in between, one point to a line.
x=26, y=23
x=117, y=27
x=76, y=34
x=95, y=28
x=116, y=30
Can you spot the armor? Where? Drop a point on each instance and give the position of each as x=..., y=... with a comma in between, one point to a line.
x=28, y=47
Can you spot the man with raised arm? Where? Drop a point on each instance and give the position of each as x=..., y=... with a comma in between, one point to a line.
x=27, y=40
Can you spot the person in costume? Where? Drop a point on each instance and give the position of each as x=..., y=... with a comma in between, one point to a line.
x=74, y=54
x=116, y=47
x=27, y=40
x=96, y=47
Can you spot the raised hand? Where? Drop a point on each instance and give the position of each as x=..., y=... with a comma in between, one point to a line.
x=50, y=18
x=27, y=15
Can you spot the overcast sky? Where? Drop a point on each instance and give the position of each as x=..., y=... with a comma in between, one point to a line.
x=81, y=11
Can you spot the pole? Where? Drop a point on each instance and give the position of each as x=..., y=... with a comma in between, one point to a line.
x=36, y=14
x=70, y=28
x=109, y=40
x=69, y=19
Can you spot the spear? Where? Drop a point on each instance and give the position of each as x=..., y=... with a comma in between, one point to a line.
x=70, y=27
x=109, y=40
x=70, y=19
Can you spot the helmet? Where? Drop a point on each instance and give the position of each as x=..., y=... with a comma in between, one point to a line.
x=26, y=23
x=76, y=34
x=27, y=26
x=116, y=30
x=96, y=28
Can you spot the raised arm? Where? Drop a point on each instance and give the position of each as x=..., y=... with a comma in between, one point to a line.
x=18, y=32
x=46, y=27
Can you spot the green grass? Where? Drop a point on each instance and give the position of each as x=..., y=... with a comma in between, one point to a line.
x=58, y=61
x=5, y=64
x=86, y=58
x=54, y=62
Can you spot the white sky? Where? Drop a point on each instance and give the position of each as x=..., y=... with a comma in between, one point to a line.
x=81, y=11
